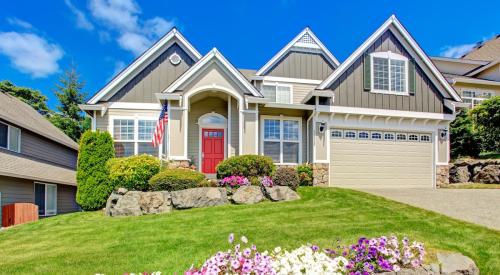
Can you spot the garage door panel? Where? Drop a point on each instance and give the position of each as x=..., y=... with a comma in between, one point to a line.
x=375, y=163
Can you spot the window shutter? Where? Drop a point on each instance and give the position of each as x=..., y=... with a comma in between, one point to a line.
x=367, y=85
x=411, y=77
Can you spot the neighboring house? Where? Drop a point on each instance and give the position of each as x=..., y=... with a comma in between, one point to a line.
x=378, y=119
x=476, y=75
x=37, y=160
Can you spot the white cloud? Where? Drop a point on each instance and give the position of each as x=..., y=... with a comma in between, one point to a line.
x=456, y=51
x=134, y=42
x=118, y=14
x=30, y=53
x=82, y=21
x=157, y=26
x=19, y=23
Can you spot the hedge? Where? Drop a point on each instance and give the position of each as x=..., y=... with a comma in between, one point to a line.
x=305, y=174
x=133, y=172
x=176, y=179
x=94, y=188
x=286, y=176
x=246, y=165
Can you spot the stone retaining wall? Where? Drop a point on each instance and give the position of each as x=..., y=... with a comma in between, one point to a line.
x=442, y=175
x=478, y=171
x=321, y=174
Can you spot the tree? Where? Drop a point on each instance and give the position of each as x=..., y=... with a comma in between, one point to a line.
x=69, y=118
x=92, y=175
x=463, y=139
x=30, y=96
x=486, y=118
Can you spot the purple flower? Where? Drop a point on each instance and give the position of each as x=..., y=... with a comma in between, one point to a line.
x=231, y=238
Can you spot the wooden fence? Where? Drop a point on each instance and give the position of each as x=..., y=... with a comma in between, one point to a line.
x=19, y=213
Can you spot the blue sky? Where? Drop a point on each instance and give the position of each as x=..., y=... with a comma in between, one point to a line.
x=39, y=39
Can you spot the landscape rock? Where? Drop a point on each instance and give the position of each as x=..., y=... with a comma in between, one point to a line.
x=126, y=205
x=281, y=193
x=456, y=263
x=155, y=202
x=459, y=174
x=136, y=203
x=199, y=197
x=122, y=191
x=488, y=174
x=248, y=195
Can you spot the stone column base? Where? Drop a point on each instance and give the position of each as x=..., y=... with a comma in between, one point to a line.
x=442, y=175
x=320, y=174
x=172, y=164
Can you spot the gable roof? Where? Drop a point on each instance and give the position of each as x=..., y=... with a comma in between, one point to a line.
x=485, y=50
x=306, y=39
x=214, y=54
x=480, y=69
x=143, y=60
x=20, y=114
x=392, y=21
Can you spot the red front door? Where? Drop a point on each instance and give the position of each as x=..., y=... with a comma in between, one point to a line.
x=212, y=149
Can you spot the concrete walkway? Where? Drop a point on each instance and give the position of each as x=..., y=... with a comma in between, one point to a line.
x=479, y=206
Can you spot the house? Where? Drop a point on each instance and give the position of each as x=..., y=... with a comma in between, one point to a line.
x=378, y=119
x=37, y=160
x=475, y=75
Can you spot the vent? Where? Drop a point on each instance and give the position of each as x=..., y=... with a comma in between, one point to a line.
x=175, y=59
x=306, y=39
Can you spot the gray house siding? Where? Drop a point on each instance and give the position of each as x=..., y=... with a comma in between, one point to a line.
x=66, y=199
x=302, y=65
x=348, y=89
x=156, y=77
x=39, y=147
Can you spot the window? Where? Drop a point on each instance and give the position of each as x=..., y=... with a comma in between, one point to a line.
x=389, y=72
x=474, y=98
x=350, y=134
x=413, y=137
x=401, y=137
x=336, y=134
x=376, y=135
x=46, y=198
x=133, y=137
x=10, y=137
x=277, y=93
x=281, y=139
x=425, y=138
x=363, y=135
x=388, y=136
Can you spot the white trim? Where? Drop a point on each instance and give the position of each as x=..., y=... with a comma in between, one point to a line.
x=257, y=129
x=389, y=113
x=389, y=56
x=276, y=85
x=329, y=56
x=185, y=118
x=290, y=106
x=202, y=126
x=364, y=47
x=287, y=79
x=140, y=62
x=214, y=54
x=134, y=106
x=94, y=121
x=312, y=93
x=45, y=199
x=229, y=121
x=281, y=118
x=475, y=81
x=9, y=129
x=161, y=96
x=240, y=131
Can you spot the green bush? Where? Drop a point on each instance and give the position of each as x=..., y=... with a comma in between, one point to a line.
x=464, y=142
x=94, y=188
x=286, y=176
x=176, y=179
x=133, y=172
x=305, y=174
x=246, y=165
x=486, y=118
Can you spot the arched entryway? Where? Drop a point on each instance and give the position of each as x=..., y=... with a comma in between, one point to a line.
x=213, y=141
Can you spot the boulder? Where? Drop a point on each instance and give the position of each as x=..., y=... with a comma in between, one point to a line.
x=456, y=263
x=155, y=202
x=248, y=195
x=121, y=191
x=488, y=174
x=135, y=203
x=199, y=197
x=281, y=193
x=459, y=174
x=413, y=271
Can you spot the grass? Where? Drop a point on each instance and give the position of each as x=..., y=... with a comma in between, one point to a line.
x=87, y=243
x=472, y=186
x=489, y=155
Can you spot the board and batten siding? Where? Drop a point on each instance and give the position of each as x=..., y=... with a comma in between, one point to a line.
x=348, y=88
x=36, y=146
x=156, y=77
x=302, y=65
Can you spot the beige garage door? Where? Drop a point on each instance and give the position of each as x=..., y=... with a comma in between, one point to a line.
x=371, y=159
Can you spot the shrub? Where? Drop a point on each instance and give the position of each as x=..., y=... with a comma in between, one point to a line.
x=175, y=179
x=133, y=172
x=286, y=176
x=94, y=188
x=463, y=139
x=246, y=165
x=208, y=183
x=266, y=181
x=486, y=118
x=234, y=181
x=305, y=173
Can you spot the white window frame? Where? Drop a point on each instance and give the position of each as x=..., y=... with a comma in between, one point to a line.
x=276, y=84
x=389, y=133
x=353, y=131
x=281, y=140
x=337, y=131
x=46, y=213
x=136, y=140
x=428, y=137
x=415, y=135
x=477, y=96
x=376, y=132
x=401, y=140
x=9, y=129
x=363, y=138
x=389, y=56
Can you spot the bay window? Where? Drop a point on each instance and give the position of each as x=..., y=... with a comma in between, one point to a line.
x=281, y=139
x=10, y=137
x=390, y=73
x=278, y=93
x=133, y=136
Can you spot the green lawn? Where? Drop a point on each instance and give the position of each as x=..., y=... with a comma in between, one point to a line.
x=86, y=243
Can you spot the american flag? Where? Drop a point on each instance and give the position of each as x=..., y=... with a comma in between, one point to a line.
x=160, y=126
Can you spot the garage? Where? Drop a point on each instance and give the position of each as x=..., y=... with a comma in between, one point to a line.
x=381, y=159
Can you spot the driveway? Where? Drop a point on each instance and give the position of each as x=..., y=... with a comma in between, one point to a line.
x=479, y=206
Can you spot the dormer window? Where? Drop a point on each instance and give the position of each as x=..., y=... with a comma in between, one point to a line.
x=278, y=93
x=390, y=73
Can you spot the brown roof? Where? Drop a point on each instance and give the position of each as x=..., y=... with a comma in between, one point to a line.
x=21, y=114
x=487, y=50
x=12, y=165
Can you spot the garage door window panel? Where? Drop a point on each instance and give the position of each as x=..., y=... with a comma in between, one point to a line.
x=401, y=137
x=350, y=134
x=363, y=135
x=425, y=138
x=376, y=136
x=389, y=136
x=337, y=134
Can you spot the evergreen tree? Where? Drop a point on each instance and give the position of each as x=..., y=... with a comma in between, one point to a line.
x=30, y=96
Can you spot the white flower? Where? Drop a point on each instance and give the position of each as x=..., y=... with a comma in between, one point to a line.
x=277, y=250
x=244, y=239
